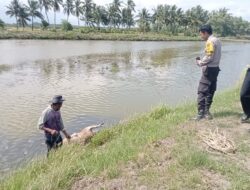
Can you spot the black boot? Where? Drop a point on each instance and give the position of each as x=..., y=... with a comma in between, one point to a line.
x=208, y=115
x=245, y=118
x=199, y=116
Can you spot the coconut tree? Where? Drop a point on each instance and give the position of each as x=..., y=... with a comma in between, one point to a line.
x=130, y=9
x=127, y=14
x=13, y=10
x=23, y=16
x=32, y=9
x=100, y=16
x=196, y=16
x=115, y=13
x=78, y=10
x=158, y=18
x=88, y=7
x=68, y=8
x=144, y=19
x=223, y=22
x=56, y=7
x=46, y=5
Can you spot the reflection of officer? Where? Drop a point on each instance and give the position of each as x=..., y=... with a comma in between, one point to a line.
x=245, y=97
x=210, y=70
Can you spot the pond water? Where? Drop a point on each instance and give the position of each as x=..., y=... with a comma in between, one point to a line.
x=102, y=81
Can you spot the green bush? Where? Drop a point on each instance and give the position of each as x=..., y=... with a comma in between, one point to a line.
x=66, y=26
x=2, y=24
x=44, y=25
x=87, y=30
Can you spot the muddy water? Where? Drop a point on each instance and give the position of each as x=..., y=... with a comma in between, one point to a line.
x=102, y=81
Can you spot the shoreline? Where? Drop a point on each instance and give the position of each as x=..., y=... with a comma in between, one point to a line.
x=108, y=153
x=102, y=36
x=95, y=36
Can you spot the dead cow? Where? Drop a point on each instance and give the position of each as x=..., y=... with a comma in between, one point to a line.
x=83, y=136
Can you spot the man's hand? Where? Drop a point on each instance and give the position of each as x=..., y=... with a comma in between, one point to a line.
x=66, y=134
x=54, y=132
x=198, y=62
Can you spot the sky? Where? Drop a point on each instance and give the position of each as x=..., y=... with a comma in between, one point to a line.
x=236, y=7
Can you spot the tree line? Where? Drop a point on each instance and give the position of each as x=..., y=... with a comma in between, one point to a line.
x=119, y=14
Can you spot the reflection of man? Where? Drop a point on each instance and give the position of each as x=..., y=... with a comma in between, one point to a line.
x=51, y=123
x=245, y=97
x=210, y=71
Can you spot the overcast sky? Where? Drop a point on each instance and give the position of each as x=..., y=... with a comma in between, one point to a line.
x=237, y=8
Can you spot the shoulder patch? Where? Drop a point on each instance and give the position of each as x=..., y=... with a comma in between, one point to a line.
x=209, y=48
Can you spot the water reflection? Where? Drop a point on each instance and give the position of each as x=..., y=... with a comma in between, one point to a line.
x=102, y=81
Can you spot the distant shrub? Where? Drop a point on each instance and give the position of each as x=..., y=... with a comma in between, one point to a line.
x=190, y=33
x=2, y=24
x=44, y=25
x=86, y=30
x=66, y=26
x=53, y=30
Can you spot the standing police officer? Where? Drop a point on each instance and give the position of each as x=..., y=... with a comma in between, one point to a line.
x=210, y=71
x=245, y=97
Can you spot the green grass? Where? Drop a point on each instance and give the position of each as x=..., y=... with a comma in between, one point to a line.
x=114, y=147
x=85, y=33
x=4, y=68
x=89, y=34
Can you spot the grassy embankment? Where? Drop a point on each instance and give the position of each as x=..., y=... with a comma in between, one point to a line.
x=91, y=34
x=103, y=34
x=160, y=149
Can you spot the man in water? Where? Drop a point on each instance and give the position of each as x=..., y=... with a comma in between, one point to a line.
x=210, y=71
x=245, y=97
x=51, y=123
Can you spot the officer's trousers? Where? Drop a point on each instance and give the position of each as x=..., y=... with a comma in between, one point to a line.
x=207, y=88
x=245, y=94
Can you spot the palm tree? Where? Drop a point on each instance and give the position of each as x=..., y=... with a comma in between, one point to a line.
x=158, y=18
x=68, y=8
x=127, y=14
x=100, y=16
x=144, y=19
x=23, y=16
x=115, y=13
x=197, y=16
x=130, y=10
x=223, y=22
x=56, y=7
x=13, y=10
x=46, y=4
x=78, y=10
x=88, y=6
x=32, y=9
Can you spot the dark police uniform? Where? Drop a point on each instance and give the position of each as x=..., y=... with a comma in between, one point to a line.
x=245, y=94
x=210, y=71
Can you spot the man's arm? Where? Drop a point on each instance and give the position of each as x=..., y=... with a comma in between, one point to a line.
x=209, y=54
x=62, y=128
x=51, y=131
x=66, y=134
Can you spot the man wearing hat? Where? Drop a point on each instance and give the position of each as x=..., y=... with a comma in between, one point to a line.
x=210, y=71
x=52, y=124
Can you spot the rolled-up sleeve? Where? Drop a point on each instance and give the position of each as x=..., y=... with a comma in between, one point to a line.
x=209, y=54
x=42, y=120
